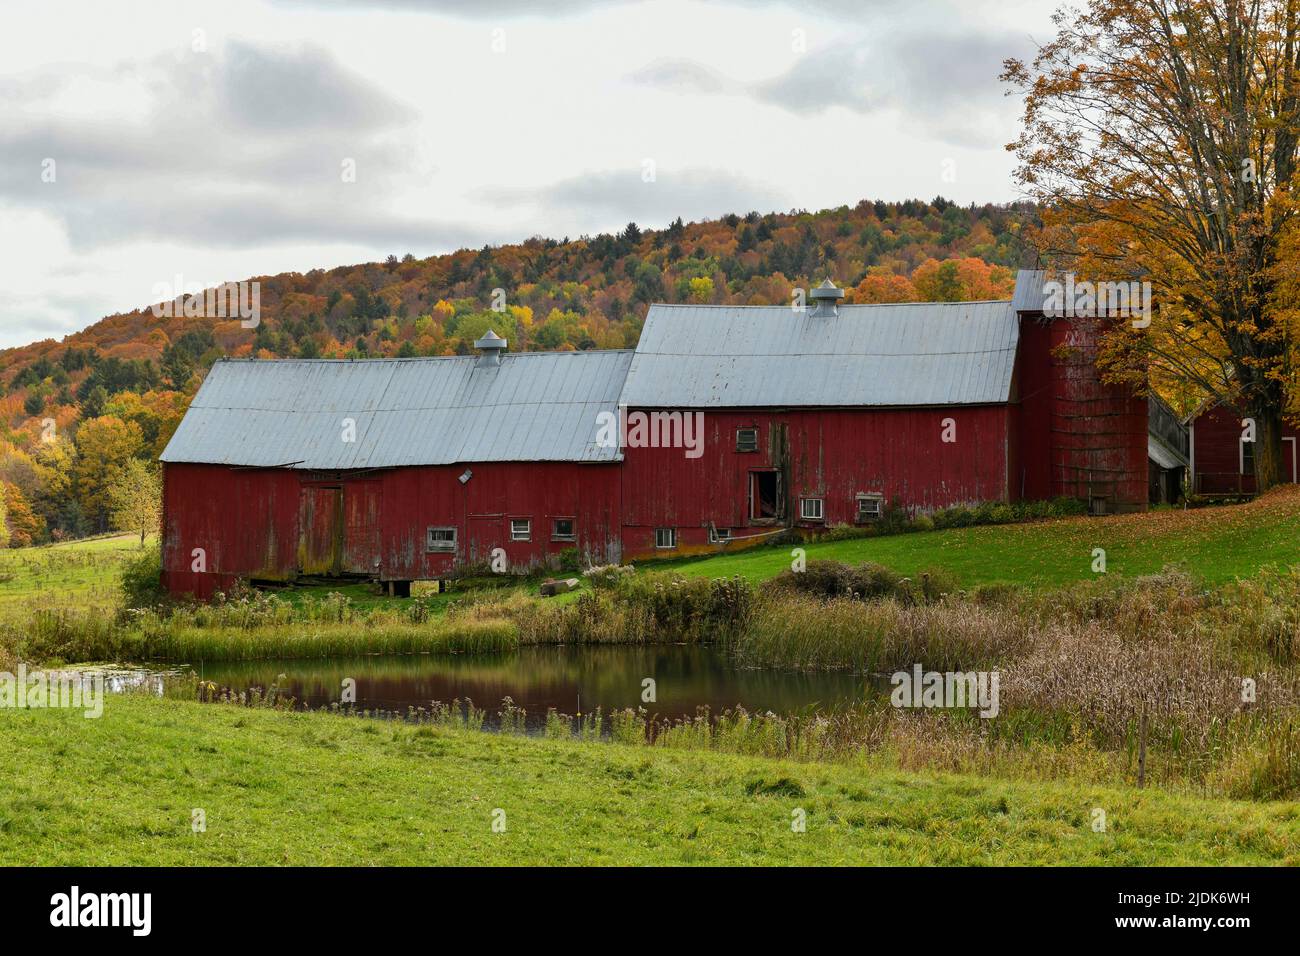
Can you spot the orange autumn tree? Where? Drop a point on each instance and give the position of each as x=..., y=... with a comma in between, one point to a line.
x=1161, y=138
x=962, y=280
x=877, y=287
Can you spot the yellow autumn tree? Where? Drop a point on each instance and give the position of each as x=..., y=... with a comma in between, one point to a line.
x=135, y=499
x=104, y=446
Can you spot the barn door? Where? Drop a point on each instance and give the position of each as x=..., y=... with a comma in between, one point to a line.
x=320, y=530
x=361, y=511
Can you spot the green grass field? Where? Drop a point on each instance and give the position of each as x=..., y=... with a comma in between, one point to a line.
x=280, y=788
x=77, y=573
x=296, y=788
x=1214, y=544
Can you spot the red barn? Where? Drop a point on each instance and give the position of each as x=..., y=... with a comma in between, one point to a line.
x=727, y=424
x=826, y=416
x=394, y=469
x=1222, y=462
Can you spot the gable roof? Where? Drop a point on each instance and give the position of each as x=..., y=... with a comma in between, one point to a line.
x=535, y=406
x=907, y=354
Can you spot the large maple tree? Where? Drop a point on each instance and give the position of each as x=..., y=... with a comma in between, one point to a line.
x=1162, y=138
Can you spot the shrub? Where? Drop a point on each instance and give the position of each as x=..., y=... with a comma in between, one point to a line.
x=687, y=608
x=866, y=582
x=142, y=579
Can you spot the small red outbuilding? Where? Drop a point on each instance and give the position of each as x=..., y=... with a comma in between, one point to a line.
x=1222, y=460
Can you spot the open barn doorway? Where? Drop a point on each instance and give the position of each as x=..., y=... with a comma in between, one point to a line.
x=765, y=498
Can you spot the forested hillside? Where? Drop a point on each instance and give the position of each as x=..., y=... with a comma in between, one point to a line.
x=74, y=413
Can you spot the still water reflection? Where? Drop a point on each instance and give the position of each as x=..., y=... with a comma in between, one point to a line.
x=685, y=678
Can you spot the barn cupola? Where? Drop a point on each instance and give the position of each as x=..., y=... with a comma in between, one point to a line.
x=826, y=300
x=490, y=348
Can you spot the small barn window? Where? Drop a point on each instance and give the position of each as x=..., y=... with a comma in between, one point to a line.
x=869, y=507
x=719, y=535
x=746, y=439
x=665, y=537
x=810, y=509
x=562, y=530
x=521, y=529
x=1247, y=457
x=440, y=539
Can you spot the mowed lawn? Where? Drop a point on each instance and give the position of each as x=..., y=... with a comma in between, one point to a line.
x=281, y=788
x=1216, y=544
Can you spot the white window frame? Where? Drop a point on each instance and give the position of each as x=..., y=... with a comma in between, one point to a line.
x=860, y=499
x=441, y=546
x=527, y=532
x=747, y=428
x=719, y=535
x=571, y=536
x=671, y=534
x=804, y=502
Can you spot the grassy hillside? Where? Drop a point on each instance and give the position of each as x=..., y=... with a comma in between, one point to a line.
x=75, y=574
x=305, y=789
x=1213, y=544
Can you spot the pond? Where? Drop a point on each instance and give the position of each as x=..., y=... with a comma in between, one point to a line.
x=570, y=678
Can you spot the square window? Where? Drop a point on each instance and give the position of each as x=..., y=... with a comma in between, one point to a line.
x=869, y=507
x=440, y=539
x=746, y=439
x=521, y=529
x=810, y=509
x=562, y=529
x=665, y=537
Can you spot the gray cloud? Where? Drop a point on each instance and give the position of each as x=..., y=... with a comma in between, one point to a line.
x=945, y=85
x=245, y=146
x=838, y=76
x=269, y=90
x=617, y=196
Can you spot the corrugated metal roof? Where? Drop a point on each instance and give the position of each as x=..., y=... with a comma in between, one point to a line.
x=1163, y=456
x=1028, y=296
x=929, y=353
x=536, y=406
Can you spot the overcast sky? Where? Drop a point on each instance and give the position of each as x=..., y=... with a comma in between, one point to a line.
x=217, y=140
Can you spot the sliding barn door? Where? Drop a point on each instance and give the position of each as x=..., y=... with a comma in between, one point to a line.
x=320, y=530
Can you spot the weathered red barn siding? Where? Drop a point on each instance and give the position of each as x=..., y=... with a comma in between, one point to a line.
x=833, y=454
x=276, y=524
x=245, y=520
x=1079, y=437
x=482, y=508
x=1216, y=452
